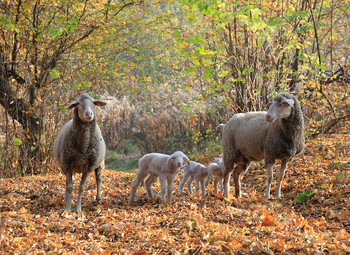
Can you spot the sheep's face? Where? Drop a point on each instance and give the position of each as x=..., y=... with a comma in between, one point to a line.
x=85, y=105
x=280, y=107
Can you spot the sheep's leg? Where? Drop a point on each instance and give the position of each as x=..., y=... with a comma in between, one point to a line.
x=163, y=187
x=189, y=184
x=148, y=183
x=170, y=182
x=280, y=178
x=98, y=183
x=226, y=183
x=81, y=190
x=237, y=178
x=135, y=184
x=182, y=183
x=228, y=165
x=69, y=190
x=269, y=180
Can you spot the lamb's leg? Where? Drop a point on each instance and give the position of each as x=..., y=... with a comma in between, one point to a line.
x=280, y=178
x=189, y=184
x=98, y=183
x=196, y=187
x=204, y=185
x=237, y=178
x=216, y=184
x=135, y=184
x=269, y=180
x=148, y=183
x=170, y=182
x=221, y=185
x=69, y=190
x=163, y=187
x=182, y=182
x=81, y=190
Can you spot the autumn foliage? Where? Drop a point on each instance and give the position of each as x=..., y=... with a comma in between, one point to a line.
x=312, y=217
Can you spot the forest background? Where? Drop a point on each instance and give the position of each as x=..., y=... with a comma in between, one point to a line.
x=170, y=71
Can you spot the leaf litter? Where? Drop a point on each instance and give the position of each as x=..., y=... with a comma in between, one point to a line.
x=33, y=219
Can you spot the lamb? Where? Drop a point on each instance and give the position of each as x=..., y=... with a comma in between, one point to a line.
x=80, y=148
x=254, y=136
x=201, y=174
x=219, y=177
x=162, y=166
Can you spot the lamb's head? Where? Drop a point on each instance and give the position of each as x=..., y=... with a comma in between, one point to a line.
x=85, y=105
x=215, y=169
x=281, y=107
x=178, y=158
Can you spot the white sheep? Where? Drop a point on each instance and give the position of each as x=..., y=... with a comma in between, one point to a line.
x=253, y=136
x=80, y=148
x=162, y=166
x=200, y=174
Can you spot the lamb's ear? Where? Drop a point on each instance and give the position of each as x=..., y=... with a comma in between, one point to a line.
x=290, y=102
x=73, y=104
x=170, y=159
x=99, y=103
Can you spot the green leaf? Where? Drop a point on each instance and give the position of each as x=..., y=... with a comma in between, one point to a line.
x=54, y=73
x=17, y=141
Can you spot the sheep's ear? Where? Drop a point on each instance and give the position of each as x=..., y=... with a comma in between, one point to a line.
x=73, y=104
x=99, y=103
x=290, y=102
x=269, y=103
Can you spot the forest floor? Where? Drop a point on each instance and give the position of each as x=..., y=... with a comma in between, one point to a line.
x=313, y=216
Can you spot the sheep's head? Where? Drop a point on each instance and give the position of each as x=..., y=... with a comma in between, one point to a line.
x=85, y=105
x=179, y=158
x=280, y=107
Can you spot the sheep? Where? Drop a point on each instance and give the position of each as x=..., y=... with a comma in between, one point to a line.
x=201, y=174
x=80, y=148
x=162, y=166
x=254, y=136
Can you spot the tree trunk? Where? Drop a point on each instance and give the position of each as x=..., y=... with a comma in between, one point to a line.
x=19, y=110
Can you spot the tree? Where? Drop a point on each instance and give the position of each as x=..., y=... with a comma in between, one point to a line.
x=35, y=36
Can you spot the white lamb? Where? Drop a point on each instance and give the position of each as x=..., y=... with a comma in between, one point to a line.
x=162, y=166
x=200, y=174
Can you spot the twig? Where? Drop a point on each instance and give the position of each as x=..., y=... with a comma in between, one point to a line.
x=1, y=224
x=320, y=60
x=330, y=125
x=33, y=245
x=197, y=250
